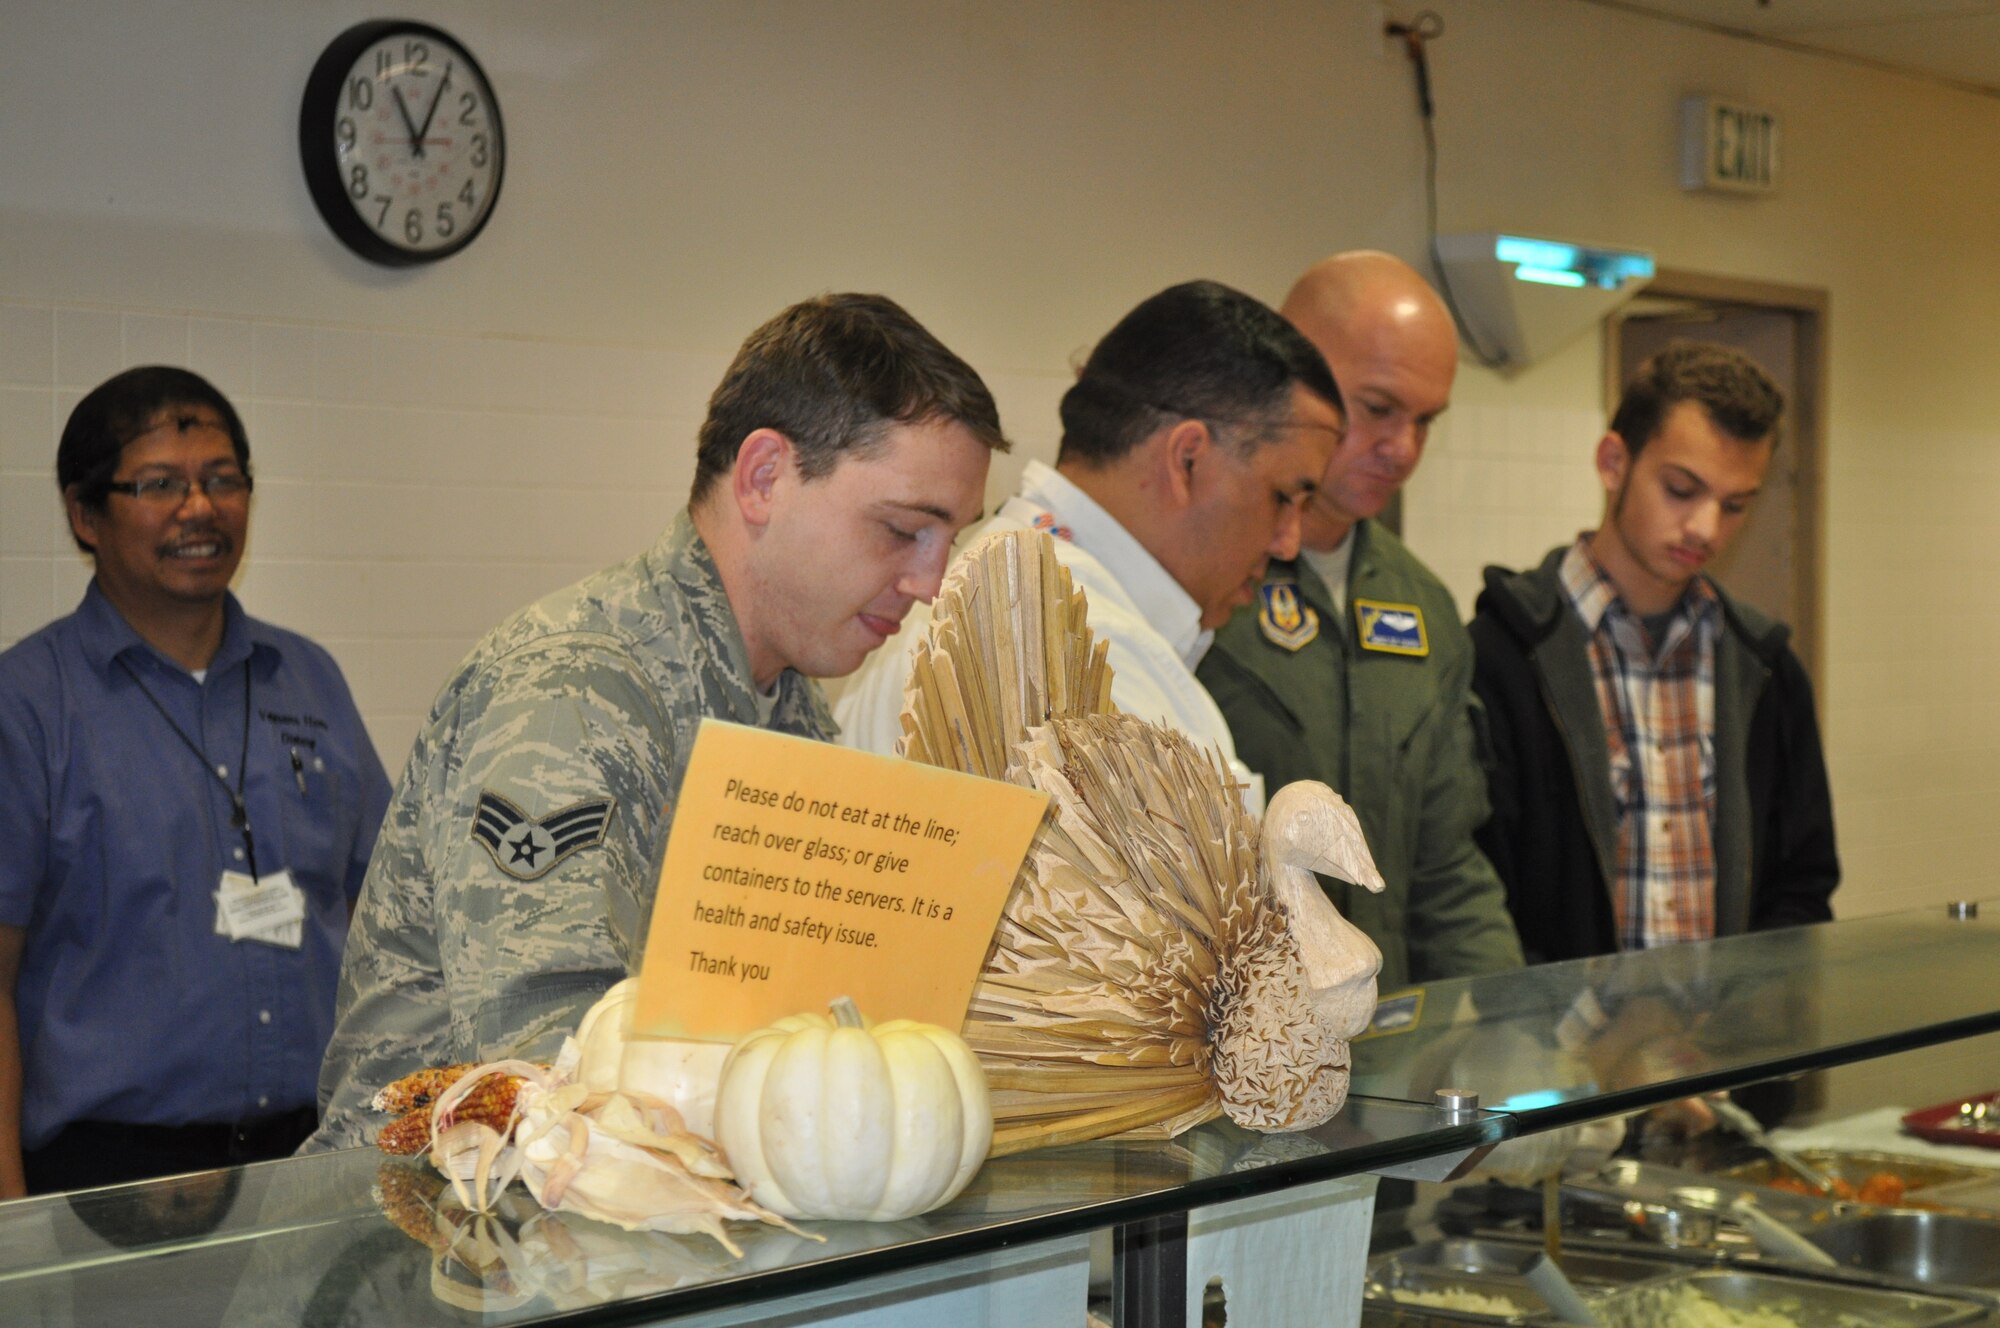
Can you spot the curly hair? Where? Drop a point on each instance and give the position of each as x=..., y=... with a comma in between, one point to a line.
x=1738, y=396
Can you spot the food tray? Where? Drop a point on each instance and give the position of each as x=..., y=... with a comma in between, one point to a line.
x=1506, y=1258
x=1855, y=1166
x=1389, y=1278
x=1935, y=1123
x=1937, y=1249
x=1803, y=1302
x=1980, y=1194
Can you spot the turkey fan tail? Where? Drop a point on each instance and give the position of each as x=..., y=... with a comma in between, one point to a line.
x=1008, y=649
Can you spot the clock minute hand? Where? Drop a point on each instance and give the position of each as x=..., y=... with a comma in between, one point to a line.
x=436, y=97
x=416, y=144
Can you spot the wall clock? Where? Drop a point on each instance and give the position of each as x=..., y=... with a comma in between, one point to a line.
x=401, y=141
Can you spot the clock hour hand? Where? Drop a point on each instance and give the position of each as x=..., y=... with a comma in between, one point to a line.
x=436, y=97
x=416, y=138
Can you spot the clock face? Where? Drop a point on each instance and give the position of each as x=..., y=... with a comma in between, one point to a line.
x=401, y=141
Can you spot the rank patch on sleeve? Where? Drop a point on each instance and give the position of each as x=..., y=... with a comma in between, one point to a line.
x=1282, y=619
x=525, y=849
x=1395, y=629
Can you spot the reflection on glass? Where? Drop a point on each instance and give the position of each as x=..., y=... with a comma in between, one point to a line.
x=349, y=1238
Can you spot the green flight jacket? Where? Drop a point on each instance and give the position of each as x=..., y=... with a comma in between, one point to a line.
x=1393, y=734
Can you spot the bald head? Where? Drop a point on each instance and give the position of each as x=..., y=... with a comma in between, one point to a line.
x=1391, y=345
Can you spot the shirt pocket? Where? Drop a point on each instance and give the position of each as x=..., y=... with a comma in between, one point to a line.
x=318, y=798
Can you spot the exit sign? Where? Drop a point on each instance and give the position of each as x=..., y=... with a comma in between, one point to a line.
x=1728, y=146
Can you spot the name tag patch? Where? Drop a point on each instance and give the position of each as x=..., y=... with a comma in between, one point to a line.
x=1283, y=618
x=526, y=849
x=1396, y=1014
x=1394, y=629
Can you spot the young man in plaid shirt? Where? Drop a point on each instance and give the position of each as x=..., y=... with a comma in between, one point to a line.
x=1654, y=760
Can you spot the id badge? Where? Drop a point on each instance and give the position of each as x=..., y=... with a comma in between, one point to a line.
x=270, y=910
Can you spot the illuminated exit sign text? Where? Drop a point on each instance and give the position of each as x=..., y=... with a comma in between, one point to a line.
x=1728, y=146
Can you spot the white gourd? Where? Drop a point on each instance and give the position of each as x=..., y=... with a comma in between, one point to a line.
x=836, y=1118
x=680, y=1072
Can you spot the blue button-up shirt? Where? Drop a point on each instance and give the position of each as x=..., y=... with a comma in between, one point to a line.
x=114, y=835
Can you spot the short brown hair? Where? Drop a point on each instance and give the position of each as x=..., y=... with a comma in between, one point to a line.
x=1740, y=398
x=833, y=375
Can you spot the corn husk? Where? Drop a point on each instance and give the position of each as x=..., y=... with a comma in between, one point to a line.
x=1145, y=976
x=619, y=1157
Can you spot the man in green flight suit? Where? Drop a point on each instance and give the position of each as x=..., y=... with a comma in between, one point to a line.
x=1353, y=668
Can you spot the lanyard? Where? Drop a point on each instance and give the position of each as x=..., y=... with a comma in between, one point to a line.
x=239, y=815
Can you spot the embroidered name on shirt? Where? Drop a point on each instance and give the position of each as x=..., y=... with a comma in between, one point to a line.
x=526, y=849
x=1394, y=629
x=1282, y=619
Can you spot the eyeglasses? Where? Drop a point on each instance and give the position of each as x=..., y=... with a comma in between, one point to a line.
x=172, y=490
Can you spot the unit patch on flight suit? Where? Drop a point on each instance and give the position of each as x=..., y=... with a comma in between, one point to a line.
x=1283, y=619
x=1395, y=629
x=526, y=849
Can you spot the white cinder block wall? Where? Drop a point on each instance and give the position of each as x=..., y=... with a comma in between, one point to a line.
x=434, y=447
x=412, y=490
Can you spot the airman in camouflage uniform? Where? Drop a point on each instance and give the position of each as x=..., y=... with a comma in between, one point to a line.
x=514, y=877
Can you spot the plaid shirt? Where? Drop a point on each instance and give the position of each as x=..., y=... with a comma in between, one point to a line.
x=1659, y=722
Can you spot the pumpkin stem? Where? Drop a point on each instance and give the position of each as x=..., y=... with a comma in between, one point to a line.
x=845, y=1013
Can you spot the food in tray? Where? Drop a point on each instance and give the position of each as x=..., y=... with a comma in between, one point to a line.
x=1878, y=1187
x=1684, y=1306
x=1887, y=1180
x=1462, y=1299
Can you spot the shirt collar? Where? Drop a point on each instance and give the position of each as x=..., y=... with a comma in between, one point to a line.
x=105, y=635
x=1593, y=594
x=682, y=558
x=1158, y=597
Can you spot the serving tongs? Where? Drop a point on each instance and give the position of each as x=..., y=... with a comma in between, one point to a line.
x=1747, y=1125
x=1766, y=1232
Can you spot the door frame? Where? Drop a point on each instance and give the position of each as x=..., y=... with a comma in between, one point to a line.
x=1809, y=305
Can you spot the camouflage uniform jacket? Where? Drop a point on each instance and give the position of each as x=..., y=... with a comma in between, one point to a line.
x=514, y=877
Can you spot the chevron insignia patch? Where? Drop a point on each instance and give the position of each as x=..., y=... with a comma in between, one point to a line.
x=525, y=849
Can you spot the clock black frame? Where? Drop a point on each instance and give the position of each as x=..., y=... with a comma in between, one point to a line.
x=318, y=111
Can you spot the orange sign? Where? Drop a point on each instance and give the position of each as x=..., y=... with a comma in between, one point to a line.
x=798, y=871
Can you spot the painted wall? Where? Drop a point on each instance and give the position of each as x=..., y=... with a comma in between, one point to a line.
x=438, y=446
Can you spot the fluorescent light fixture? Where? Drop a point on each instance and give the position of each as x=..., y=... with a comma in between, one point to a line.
x=1520, y=297
x=1548, y=276
x=1557, y=264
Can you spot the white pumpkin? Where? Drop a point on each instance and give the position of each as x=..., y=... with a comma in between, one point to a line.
x=837, y=1118
x=680, y=1072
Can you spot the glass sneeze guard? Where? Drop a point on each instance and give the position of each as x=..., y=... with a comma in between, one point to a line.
x=356, y=1237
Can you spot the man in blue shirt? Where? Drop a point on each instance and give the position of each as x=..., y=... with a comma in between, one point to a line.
x=190, y=802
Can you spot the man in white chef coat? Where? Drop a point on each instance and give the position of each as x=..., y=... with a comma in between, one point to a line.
x=1193, y=436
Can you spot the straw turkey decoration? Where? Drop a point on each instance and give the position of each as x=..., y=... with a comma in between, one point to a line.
x=1159, y=963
